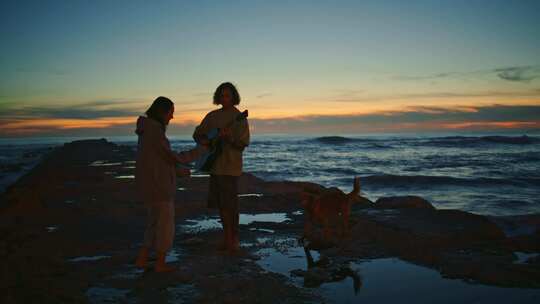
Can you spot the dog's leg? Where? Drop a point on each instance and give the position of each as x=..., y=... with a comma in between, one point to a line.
x=326, y=229
x=308, y=227
x=345, y=214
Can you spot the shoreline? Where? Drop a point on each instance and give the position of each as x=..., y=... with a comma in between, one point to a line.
x=71, y=206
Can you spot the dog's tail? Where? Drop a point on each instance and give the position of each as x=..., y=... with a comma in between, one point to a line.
x=356, y=187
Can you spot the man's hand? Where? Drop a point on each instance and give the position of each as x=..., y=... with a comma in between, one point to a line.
x=204, y=141
x=183, y=158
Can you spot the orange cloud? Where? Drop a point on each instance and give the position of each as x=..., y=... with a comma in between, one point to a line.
x=39, y=124
x=491, y=124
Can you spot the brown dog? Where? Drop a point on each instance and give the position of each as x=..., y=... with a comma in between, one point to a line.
x=329, y=205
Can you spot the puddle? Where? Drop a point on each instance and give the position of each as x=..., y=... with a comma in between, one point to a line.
x=211, y=223
x=298, y=212
x=200, y=175
x=259, y=241
x=181, y=189
x=130, y=162
x=51, y=228
x=250, y=195
x=125, y=176
x=522, y=257
x=262, y=230
x=89, y=258
x=106, y=295
x=128, y=167
x=283, y=258
x=205, y=224
x=246, y=219
x=389, y=280
x=102, y=163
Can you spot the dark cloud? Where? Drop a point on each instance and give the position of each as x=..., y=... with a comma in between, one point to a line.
x=427, y=77
x=432, y=95
x=521, y=73
x=393, y=120
x=88, y=110
x=412, y=119
x=511, y=73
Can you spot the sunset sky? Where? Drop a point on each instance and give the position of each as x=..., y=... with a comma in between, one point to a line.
x=91, y=67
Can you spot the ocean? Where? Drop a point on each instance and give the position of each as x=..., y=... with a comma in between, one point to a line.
x=490, y=175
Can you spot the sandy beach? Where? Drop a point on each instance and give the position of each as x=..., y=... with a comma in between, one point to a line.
x=70, y=229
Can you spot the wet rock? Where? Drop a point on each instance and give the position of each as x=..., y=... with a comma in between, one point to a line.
x=107, y=217
x=518, y=225
x=398, y=202
x=22, y=200
x=194, y=241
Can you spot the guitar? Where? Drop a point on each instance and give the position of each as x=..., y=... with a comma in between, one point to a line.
x=215, y=146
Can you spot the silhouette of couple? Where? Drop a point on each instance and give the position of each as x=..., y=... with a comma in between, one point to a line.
x=156, y=171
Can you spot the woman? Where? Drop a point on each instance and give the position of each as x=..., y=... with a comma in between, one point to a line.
x=223, y=187
x=155, y=176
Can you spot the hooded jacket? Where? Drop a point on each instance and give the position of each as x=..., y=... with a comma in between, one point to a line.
x=155, y=169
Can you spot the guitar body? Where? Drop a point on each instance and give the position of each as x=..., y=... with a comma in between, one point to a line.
x=206, y=161
x=215, y=147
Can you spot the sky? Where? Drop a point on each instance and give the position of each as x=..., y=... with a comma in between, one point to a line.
x=91, y=67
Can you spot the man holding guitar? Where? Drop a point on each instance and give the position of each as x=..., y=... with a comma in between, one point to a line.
x=226, y=132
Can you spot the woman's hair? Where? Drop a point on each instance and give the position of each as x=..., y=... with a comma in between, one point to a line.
x=231, y=88
x=158, y=109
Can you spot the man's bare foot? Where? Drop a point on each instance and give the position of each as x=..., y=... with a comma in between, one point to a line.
x=161, y=265
x=142, y=259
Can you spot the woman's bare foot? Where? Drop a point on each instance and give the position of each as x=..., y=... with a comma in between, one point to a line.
x=142, y=259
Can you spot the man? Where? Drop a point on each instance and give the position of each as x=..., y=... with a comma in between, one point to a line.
x=224, y=174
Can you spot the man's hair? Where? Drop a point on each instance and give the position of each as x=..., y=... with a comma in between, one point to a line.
x=231, y=88
x=158, y=109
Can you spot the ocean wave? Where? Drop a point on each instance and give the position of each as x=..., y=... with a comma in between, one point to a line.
x=476, y=140
x=390, y=180
x=340, y=171
x=340, y=140
x=334, y=139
